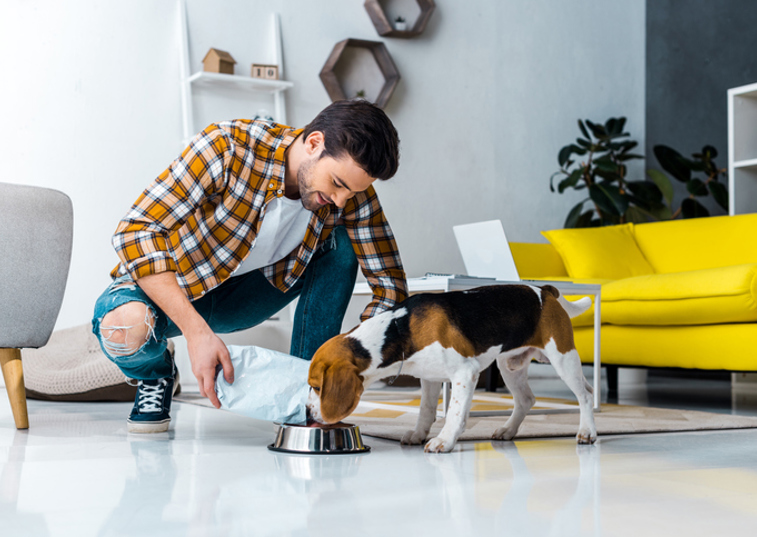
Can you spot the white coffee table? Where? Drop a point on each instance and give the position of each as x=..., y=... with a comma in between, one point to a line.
x=442, y=284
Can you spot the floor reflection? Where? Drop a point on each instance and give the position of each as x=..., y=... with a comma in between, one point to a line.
x=148, y=493
x=515, y=517
x=12, y=520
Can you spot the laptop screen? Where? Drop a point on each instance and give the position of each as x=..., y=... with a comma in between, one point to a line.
x=485, y=250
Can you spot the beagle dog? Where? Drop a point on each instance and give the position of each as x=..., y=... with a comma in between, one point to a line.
x=452, y=337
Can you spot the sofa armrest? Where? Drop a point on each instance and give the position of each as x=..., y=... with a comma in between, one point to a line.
x=537, y=260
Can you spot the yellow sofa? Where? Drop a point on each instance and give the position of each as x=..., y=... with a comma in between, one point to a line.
x=676, y=294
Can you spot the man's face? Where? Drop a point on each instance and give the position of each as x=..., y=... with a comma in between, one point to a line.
x=328, y=180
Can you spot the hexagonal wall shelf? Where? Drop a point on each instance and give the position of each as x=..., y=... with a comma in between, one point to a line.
x=360, y=68
x=384, y=11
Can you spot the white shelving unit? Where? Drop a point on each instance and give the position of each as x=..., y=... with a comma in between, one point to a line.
x=742, y=149
x=275, y=88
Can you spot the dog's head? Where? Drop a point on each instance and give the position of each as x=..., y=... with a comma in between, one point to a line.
x=335, y=381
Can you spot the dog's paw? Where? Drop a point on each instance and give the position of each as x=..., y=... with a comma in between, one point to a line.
x=437, y=445
x=413, y=438
x=505, y=433
x=586, y=436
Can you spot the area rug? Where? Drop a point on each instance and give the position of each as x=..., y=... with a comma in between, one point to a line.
x=389, y=414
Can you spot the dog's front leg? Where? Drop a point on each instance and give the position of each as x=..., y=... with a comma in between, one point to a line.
x=463, y=386
x=427, y=413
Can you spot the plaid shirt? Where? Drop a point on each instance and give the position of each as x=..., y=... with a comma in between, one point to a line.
x=200, y=217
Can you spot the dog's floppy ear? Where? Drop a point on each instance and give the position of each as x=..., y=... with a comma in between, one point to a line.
x=341, y=388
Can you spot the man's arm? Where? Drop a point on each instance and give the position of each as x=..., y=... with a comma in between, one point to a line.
x=206, y=350
x=376, y=251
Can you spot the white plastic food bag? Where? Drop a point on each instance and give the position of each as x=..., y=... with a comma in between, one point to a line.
x=268, y=385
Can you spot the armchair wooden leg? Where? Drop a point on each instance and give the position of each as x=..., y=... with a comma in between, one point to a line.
x=13, y=373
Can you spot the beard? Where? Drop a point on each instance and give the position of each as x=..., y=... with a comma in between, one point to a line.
x=308, y=195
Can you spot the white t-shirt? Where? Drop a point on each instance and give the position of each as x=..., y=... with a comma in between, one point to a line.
x=283, y=228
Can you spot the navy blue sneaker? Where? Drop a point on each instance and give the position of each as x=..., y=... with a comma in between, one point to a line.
x=152, y=405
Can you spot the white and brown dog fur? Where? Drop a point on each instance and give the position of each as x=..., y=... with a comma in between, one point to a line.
x=453, y=337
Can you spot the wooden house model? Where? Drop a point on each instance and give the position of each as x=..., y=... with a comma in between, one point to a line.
x=218, y=61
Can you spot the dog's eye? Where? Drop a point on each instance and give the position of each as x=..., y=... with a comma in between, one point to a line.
x=316, y=390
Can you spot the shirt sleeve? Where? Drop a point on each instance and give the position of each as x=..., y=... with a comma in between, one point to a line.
x=202, y=171
x=376, y=251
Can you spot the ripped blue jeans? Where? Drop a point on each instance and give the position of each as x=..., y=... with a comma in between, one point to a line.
x=239, y=303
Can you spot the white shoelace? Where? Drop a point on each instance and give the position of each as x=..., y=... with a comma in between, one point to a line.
x=151, y=397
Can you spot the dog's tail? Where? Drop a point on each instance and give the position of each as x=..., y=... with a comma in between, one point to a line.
x=574, y=309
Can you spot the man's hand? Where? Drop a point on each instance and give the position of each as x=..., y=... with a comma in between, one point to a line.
x=206, y=350
x=206, y=353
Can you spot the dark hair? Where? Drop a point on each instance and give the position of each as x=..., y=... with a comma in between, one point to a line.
x=363, y=131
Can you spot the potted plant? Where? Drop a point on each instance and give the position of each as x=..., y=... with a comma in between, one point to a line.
x=400, y=24
x=601, y=170
x=682, y=169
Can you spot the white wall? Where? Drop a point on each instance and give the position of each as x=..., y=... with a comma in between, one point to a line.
x=90, y=105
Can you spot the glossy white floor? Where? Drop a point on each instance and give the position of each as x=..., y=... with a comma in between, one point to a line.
x=77, y=472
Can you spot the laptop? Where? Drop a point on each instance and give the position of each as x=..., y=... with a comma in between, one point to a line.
x=485, y=250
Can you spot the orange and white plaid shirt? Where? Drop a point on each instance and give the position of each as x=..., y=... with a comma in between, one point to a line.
x=200, y=217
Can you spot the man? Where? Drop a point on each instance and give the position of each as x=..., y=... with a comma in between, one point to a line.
x=249, y=217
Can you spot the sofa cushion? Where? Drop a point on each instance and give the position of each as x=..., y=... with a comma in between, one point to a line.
x=709, y=296
x=698, y=243
x=537, y=260
x=604, y=252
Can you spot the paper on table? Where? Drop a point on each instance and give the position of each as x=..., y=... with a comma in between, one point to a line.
x=268, y=385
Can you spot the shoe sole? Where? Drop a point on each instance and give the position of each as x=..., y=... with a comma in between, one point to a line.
x=141, y=427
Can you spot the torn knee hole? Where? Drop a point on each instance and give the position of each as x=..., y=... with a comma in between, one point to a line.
x=123, y=332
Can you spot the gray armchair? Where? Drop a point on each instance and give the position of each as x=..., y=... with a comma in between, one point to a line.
x=36, y=233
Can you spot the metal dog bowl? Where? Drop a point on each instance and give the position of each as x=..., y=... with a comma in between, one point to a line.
x=321, y=440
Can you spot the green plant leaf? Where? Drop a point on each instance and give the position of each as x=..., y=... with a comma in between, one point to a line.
x=661, y=212
x=646, y=191
x=578, y=150
x=552, y=178
x=586, y=144
x=614, y=126
x=691, y=208
x=697, y=187
x=672, y=162
x=636, y=215
x=610, y=126
x=587, y=219
x=620, y=125
x=574, y=215
x=628, y=156
x=598, y=130
x=628, y=145
x=606, y=163
x=608, y=198
x=696, y=165
x=709, y=152
x=583, y=129
x=663, y=183
x=609, y=176
x=570, y=181
x=720, y=194
x=564, y=155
